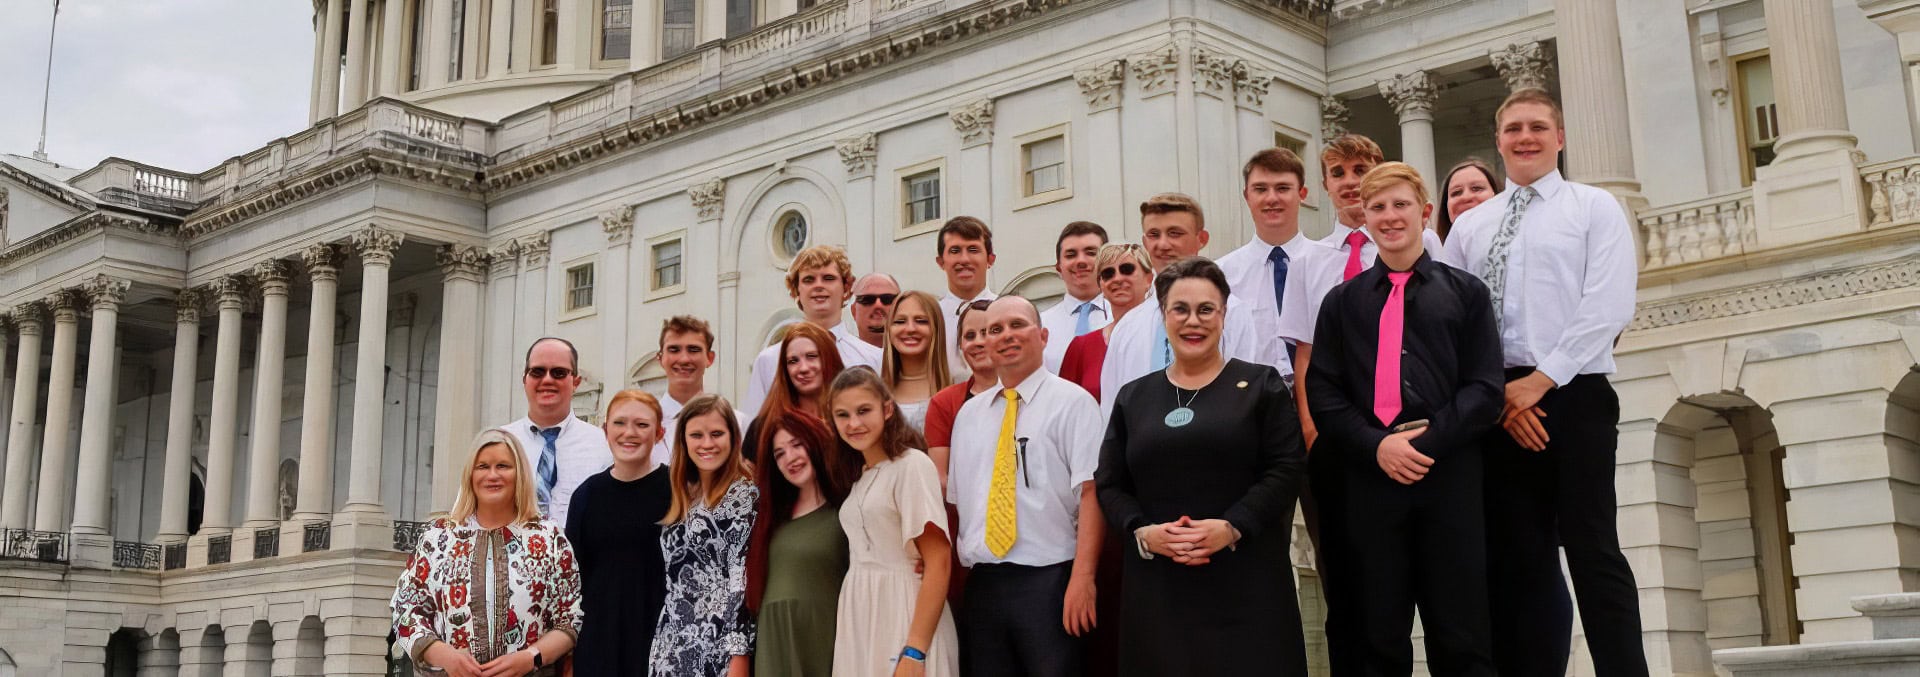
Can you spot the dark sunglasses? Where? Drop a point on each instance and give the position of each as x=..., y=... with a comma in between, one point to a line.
x=558, y=373
x=975, y=305
x=870, y=299
x=1127, y=269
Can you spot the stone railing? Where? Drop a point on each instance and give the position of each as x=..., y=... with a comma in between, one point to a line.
x=783, y=35
x=1700, y=230
x=174, y=556
x=135, y=555
x=118, y=180
x=316, y=536
x=333, y=138
x=580, y=107
x=1893, y=192
x=219, y=549
x=266, y=543
x=38, y=546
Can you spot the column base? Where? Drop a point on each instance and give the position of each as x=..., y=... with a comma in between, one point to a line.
x=197, y=548
x=1814, y=195
x=243, y=539
x=362, y=529
x=92, y=551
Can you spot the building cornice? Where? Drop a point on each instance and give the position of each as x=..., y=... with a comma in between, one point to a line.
x=389, y=159
x=81, y=226
x=1819, y=287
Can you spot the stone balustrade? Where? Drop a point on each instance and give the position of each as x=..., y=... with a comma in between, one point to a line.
x=782, y=36
x=1893, y=192
x=1700, y=230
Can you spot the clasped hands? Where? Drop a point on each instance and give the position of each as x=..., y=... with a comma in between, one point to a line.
x=1522, y=414
x=461, y=664
x=1189, y=541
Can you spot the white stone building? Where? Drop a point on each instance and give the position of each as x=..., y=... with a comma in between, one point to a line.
x=215, y=480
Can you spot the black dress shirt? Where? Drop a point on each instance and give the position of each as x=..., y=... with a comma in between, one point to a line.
x=1450, y=360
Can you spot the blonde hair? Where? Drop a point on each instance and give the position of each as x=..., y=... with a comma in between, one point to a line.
x=1168, y=203
x=1530, y=95
x=1111, y=254
x=815, y=257
x=525, y=508
x=683, y=477
x=1349, y=147
x=936, y=349
x=1390, y=174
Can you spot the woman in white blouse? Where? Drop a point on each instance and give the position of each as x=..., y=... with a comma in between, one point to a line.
x=915, y=361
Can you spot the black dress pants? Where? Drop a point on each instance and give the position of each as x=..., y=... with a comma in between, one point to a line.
x=1561, y=497
x=1012, y=625
x=1421, y=544
x=1323, y=502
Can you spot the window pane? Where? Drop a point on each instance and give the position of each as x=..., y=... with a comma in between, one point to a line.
x=616, y=29
x=1045, y=152
x=923, y=197
x=580, y=287
x=676, y=33
x=666, y=264
x=457, y=39
x=739, y=17
x=549, y=32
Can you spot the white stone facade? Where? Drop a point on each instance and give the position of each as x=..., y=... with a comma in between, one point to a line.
x=161, y=324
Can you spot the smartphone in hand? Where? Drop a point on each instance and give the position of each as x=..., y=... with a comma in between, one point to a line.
x=1409, y=425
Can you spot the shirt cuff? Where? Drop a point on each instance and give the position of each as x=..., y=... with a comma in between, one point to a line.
x=1140, y=542
x=1558, y=368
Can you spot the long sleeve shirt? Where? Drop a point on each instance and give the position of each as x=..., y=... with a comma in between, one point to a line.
x=1450, y=366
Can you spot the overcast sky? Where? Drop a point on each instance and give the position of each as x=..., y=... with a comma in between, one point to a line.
x=182, y=84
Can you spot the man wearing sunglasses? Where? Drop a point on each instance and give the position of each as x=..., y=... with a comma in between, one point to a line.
x=562, y=450
x=873, y=297
x=1082, y=309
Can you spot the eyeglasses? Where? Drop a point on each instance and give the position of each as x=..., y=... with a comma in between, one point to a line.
x=973, y=305
x=558, y=373
x=870, y=299
x=1126, y=269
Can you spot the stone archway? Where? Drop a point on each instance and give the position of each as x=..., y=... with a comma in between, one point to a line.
x=123, y=653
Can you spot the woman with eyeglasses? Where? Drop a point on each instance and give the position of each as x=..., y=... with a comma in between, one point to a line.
x=1126, y=278
x=808, y=362
x=1199, y=472
x=915, y=360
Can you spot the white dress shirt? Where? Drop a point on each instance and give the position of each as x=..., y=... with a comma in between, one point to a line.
x=957, y=368
x=1315, y=272
x=669, y=413
x=1062, y=428
x=1130, y=347
x=853, y=351
x=579, y=452
x=1251, y=275
x=1059, y=321
x=1571, y=273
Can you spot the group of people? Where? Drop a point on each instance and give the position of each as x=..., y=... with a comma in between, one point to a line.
x=967, y=484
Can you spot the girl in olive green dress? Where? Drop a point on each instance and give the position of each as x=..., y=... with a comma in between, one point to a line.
x=798, y=553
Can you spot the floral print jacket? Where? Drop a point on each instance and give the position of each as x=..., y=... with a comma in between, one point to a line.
x=440, y=597
x=704, y=622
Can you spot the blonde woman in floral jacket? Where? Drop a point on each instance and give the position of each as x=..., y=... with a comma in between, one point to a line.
x=492, y=588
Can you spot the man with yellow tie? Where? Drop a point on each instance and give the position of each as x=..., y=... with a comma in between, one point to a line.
x=1021, y=475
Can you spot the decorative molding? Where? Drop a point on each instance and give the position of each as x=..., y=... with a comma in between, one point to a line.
x=323, y=260
x=1411, y=94
x=1154, y=70
x=617, y=223
x=26, y=317
x=505, y=259
x=1212, y=74
x=376, y=245
x=974, y=121
x=858, y=153
x=1250, y=85
x=709, y=198
x=394, y=157
x=1524, y=65
x=462, y=261
x=1101, y=84
x=229, y=292
x=1893, y=193
x=82, y=226
x=273, y=276
x=186, y=306
x=1803, y=290
x=1333, y=118
x=105, y=293
x=64, y=304
x=534, y=249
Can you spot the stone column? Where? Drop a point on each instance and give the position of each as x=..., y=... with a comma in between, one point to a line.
x=1146, y=115
x=356, y=76
x=711, y=20
x=1333, y=118
x=1593, y=94
x=50, y=507
x=315, y=500
x=973, y=187
x=269, y=371
x=1216, y=151
x=1412, y=96
x=230, y=293
x=530, y=318
x=92, y=481
x=364, y=523
x=500, y=37
x=6, y=386
x=26, y=403
x=610, y=294
x=573, y=27
x=319, y=49
x=439, y=47
x=393, y=40
x=861, y=231
x=177, y=475
x=328, y=104
x=1253, y=129
x=498, y=402
x=645, y=49
x=1102, y=85
x=1806, y=63
x=457, y=402
x=1524, y=65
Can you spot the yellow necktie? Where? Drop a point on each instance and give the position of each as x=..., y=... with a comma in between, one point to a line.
x=1003, y=524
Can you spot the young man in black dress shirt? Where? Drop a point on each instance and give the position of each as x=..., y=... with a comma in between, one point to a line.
x=1405, y=383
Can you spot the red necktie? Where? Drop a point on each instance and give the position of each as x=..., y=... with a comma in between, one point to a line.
x=1355, y=240
x=1386, y=366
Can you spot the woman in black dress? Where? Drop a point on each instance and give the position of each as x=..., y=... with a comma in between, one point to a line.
x=1199, y=472
x=614, y=523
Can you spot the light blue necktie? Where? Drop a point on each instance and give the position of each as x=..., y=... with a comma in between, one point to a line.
x=1162, y=350
x=548, y=471
x=1080, y=318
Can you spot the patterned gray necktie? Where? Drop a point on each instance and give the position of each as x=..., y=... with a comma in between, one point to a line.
x=1496, y=276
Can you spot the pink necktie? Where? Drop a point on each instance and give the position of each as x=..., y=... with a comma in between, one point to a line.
x=1386, y=366
x=1355, y=240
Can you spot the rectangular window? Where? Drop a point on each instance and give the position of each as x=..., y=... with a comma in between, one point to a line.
x=580, y=287
x=416, y=43
x=739, y=17
x=1046, y=165
x=616, y=29
x=922, y=191
x=459, y=37
x=1759, y=115
x=676, y=28
x=666, y=265
x=1298, y=146
x=549, y=32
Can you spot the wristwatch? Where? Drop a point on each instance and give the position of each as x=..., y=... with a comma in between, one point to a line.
x=913, y=654
x=537, y=661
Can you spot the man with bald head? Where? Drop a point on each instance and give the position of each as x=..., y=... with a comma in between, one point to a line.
x=1021, y=476
x=561, y=450
x=873, y=297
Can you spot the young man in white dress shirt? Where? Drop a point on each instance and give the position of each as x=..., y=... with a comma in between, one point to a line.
x=562, y=450
x=873, y=297
x=965, y=255
x=1343, y=162
x=1558, y=258
x=1174, y=228
x=1273, y=184
x=1021, y=476
x=1083, y=309
x=819, y=280
x=686, y=352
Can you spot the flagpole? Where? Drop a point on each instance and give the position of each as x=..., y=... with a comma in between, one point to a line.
x=46, y=95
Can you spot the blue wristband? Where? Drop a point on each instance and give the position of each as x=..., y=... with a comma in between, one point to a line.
x=913, y=654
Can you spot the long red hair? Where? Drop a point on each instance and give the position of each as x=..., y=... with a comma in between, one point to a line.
x=778, y=496
x=782, y=397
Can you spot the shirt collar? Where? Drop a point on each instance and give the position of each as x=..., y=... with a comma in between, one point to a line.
x=1028, y=389
x=985, y=293
x=841, y=332
x=1422, y=269
x=1547, y=186
x=562, y=425
x=1261, y=247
